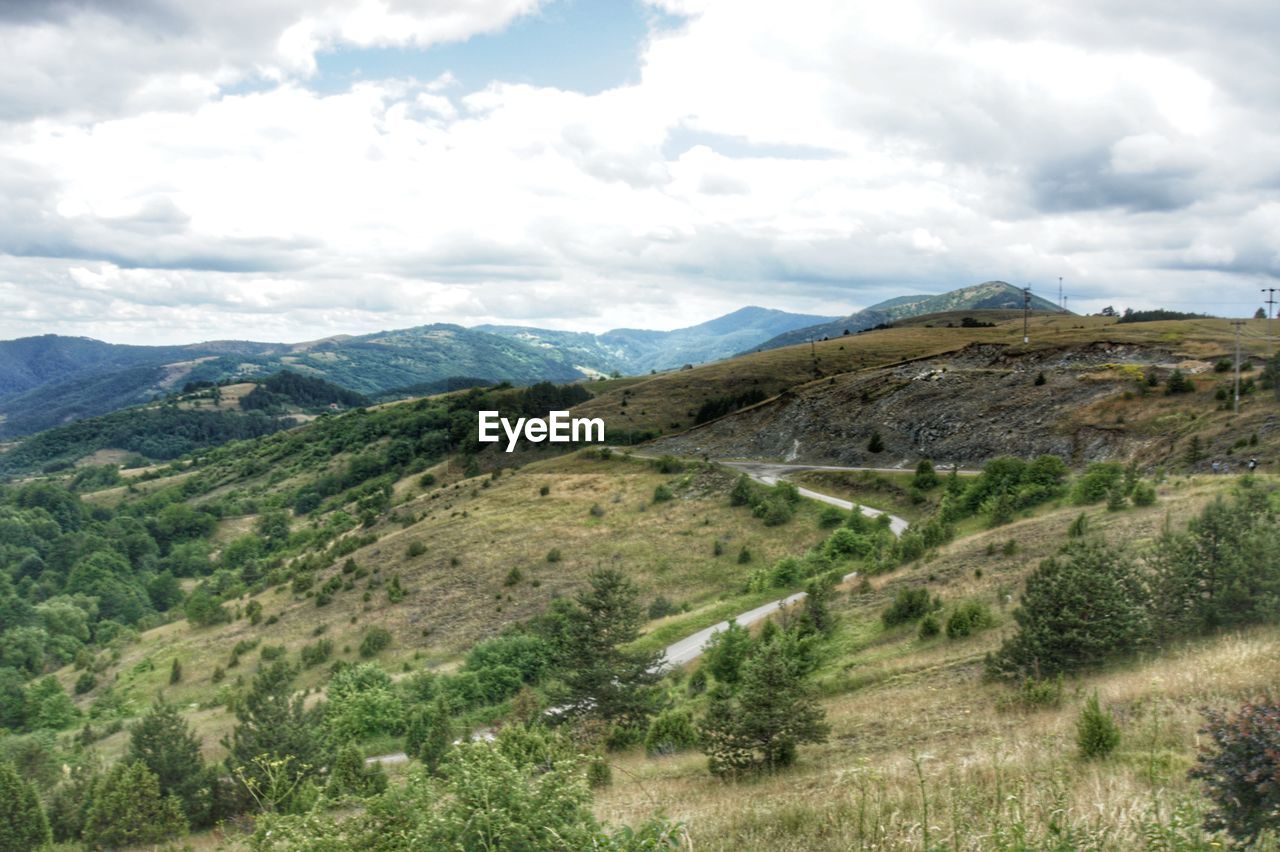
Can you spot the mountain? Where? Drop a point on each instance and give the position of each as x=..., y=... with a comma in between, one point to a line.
x=51, y=380
x=639, y=350
x=989, y=295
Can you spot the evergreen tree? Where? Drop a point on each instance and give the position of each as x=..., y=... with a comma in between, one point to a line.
x=164, y=743
x=274, y=746
x=876, y=444
x=603, y=679
x=175, y=672
x=1097, y=734
x=129, y=810
x=351, y=776
x=772, y=713
x=1079, y=608
x=726, y=651
x=23, y=826
x=439, y=737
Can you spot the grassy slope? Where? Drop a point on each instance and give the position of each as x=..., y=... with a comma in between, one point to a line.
x=667, y=548
x=667, y=402
x=893, y=699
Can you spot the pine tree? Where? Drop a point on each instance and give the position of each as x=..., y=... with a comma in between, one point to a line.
x=876, y=444
x=726, y=651
x=164, y=743
x=772, y=713
x=439, y=737
x=351, y=776
x=1097, y=734
x=1079, y=609
x=604, y=680
x=129, y=810
x=23, y=825
x=175, y=672
x=273, y=748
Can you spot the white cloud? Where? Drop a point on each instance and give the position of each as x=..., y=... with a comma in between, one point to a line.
x=841, y=153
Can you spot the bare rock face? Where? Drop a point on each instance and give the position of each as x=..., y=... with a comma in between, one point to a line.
x=963, y=408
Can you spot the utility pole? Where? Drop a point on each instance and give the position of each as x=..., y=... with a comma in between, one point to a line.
x=1271, y=303
x=1061, y=304
x=1237, y=324
x=1026, y=313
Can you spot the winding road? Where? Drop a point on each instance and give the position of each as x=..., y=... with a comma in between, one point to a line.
x=691, y=647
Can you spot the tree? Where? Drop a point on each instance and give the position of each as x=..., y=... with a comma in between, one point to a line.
x=604, y=680
x=1260, y=313
x=1239, y=769
x=352, y=777
x=726, y=651
x=772, y=713
x=1178, y=383
x=175, y=672
x=1078, y=609
x=432, y=735
x=876, y=444
x=163, y=742
x=48, y=706
x=129, y=810
x=926, y=477
x=23, y=825
x=1097, y=734
x=273, y=748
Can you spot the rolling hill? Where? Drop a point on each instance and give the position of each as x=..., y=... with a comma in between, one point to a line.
x=990, y=295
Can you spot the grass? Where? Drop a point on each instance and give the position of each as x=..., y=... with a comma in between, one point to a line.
x=919, y=756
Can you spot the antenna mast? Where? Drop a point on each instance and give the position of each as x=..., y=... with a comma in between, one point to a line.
x=1271, y=303
x=1237, y=324
x=1026, y=313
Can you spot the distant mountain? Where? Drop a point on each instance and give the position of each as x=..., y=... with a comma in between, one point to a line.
x=631, y=350
x=989, y=295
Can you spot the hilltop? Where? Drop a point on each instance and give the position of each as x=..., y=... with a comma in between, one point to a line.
x=987, y=296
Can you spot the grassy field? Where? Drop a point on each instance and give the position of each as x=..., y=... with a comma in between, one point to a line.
x=922, y=756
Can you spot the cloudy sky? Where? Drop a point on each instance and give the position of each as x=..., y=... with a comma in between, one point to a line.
x=177, y=170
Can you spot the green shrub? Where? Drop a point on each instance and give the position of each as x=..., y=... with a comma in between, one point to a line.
x=876, y=444
x=929, y=626
x=909, y=604
x=926, y=477
x=375, y=640
x=744, y=555
x=662, y=493
x=669, y=732
x=85, y=683
x=415, y=549
x=316, y=653
x=553, y=555
x=661, y=608
x=830, y=517
x=1097, y=734
x=969, y=618
x=1144, y=494
x=270, y=652
x=544, y=490
x=514, y=576
x=774, y=510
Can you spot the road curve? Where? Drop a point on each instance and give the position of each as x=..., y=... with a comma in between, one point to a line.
x=691, y=647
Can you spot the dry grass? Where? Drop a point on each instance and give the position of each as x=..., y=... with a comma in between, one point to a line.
x=915, y=728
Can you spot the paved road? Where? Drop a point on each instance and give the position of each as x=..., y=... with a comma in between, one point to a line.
x=691, y=647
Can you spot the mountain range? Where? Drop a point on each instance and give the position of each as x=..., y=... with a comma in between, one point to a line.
x=51, y=380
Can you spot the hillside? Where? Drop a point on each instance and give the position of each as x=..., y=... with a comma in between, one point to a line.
x=373, y=571
x=990, y=295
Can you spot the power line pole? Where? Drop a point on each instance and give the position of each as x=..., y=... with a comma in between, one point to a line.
x=1061, y=304
x=1271, y=303
x=1026, y=313
x=1237, y=324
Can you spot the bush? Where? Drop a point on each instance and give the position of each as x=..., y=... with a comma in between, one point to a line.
x=669, y=732
x=1144, y=494
x=85, y=682
x=926, y=477
x=909, y=604
x=876, y=444
x=1239, y=769
x=375, y=640
x=929, y=626
x=830, y=517
x=969, y=618
x=544, y=490
x=415, y=549
x=316, y=653
x=661, y=608
x=744, y=555
x=775, y=511
x=23, y=824
x=662, y=494
x=1178, y=383
x=1097, y=734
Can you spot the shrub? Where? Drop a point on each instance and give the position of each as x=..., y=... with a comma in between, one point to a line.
x=415, y=549
x=1239, y=769
x=23, y=824
x=662, y=493
x=744, y=555
x=661, y=608
x=909, y=604
x=775, y=511
x=375, y=640
x=969, y=618
x=929, y=626
x=1078, y=527
x=830, y=517
x=1097, y=481
x=876, y=444
x=669, y=732
x=316, y=653
x=553, y=555
x=514, y=576
x=1097, y=734
x=544, y=490
x=1115, y=499
x=596, y=510
x=1178, y=383
x=1035, y=694
x=1144, y=494
x=926, y=477
x=85, y=682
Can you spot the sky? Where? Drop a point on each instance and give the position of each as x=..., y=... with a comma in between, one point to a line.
x=180, y=170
